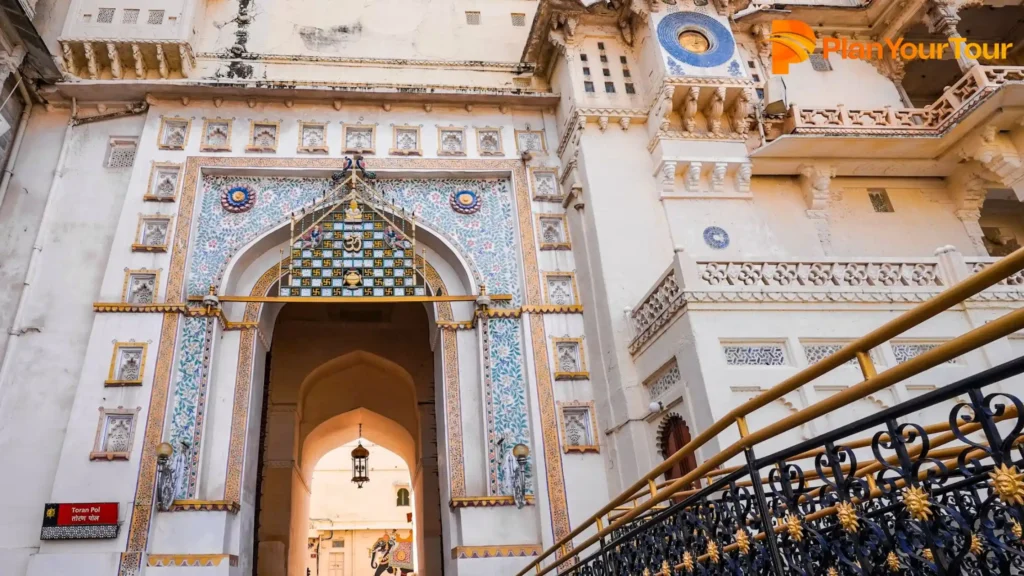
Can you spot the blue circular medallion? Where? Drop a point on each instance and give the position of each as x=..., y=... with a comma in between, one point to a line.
x=720, y=43
x=716, y=237
x=238, y=199
x=465, y=201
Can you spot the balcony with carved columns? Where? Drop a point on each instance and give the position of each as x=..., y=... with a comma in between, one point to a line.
x=899, y=141
x=117, y=59
x=806, y=282
x=700, y=120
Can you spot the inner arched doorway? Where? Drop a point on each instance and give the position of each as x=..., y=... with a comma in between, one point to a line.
x=674, y=433
x=336, y=368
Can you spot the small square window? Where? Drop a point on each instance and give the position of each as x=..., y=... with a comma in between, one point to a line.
x=625, y=73
x=609, y=87
x=121, y=153
x=607, y=73
x=622, y=59
x=600, y=45
x=104, y=15
x=473, y=18
x=130, y=16
x=518, y=19
x=604, y=58
x=880, y=200
x=819, y=63
x=586, y=71
x=588, y=86
x=86, y=18
x=155, y=17
x=630, y=89
x=583, y=57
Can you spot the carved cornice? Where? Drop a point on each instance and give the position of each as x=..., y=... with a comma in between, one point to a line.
x=205, y=506
x=513, y=67
x=554, y=309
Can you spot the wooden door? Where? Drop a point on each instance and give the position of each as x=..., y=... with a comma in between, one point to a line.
x=676, y=435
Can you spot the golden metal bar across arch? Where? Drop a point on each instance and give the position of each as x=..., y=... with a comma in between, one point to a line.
x=934, y=306
x=355, y=299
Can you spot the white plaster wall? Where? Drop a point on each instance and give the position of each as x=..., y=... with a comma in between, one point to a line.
x=854, y=83
x=44, y=392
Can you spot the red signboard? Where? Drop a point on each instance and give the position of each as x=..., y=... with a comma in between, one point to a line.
x=87, y=514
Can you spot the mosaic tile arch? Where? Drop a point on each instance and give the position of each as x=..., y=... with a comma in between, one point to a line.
x=485, y=240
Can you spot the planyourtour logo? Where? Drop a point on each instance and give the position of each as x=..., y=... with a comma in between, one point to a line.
x=793, y=42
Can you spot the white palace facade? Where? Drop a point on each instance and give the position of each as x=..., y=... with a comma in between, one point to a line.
x=236, y=235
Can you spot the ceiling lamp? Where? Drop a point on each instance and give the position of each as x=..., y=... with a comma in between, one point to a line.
x=360, y=462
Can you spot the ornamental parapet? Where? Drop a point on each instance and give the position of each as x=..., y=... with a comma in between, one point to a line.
x=978, y=85
x=807, y=281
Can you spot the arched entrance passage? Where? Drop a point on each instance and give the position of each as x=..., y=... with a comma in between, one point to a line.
x=334, y=367
x=673, y=434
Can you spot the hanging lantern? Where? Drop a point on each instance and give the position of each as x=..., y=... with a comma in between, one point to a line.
x=360, y=462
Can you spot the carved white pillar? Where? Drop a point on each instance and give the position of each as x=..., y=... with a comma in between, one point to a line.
x=816, y=182
x=668, y=178
x=90, y=60
x=714, y=110
x=69, y=59
x=115, y=60
x=186, y=60
x=967, y=189
x=692, y=179
x=140, y=62
x=718, y=176
x=161, y=58
x=689, y=109
x=743, y=176
x=942, y=18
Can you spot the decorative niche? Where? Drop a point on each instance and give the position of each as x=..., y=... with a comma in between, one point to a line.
x=358, y=138
x=553, y=232
x=216, y=135
x=451, y=141
x=313, y=137
x=578, y=425
x=163, y=182
x=263, y=136
x=115, y=434
x=560, y=288
x=488, y=142
x=152, y=234
x=127, y=364
x=406, y=141
x=173, y=133
x=545, y=185
x=569, y=361
x=530, y=141
x=140, y=286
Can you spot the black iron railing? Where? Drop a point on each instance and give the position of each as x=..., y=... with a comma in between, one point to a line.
x=882, y=495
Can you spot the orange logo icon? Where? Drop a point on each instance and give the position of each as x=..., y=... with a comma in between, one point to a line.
x=792, y=42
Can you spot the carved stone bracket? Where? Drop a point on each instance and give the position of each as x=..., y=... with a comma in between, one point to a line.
x=999, y=155
x=816, y=181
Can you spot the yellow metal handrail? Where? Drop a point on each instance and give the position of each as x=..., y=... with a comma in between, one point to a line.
x=873, y=382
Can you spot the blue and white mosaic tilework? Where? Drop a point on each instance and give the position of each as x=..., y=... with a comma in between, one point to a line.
x=486, y=239
x=505, y=394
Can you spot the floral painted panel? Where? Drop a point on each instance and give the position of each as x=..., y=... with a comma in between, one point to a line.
x=505, y=395
x=190, y=384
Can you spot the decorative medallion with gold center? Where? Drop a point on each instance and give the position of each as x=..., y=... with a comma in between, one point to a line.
x=1008, y=484
x=743, y=541
x=916, y=501
x=893, y=562
x=688, y=561
x=793, y=527
x=976, y=545
x=847, y=516
x=712, y=552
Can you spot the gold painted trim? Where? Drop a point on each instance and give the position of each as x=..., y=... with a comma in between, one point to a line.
x=138, y=308
x=164, y=120
x=395, y=129
x=501, y=145
x=496, y=551
x=543, y=140
x=566, y=244
x=205, y=506
x=593, y=427
x=554, y=309
x=112, y=379
x=138, y=246
x=440, y=146
x=323, y=148
x=344, y=139
x=534, y=170
x=496, y=297
x=251, y=144
x=560, y=376
x=189, y=560
x=140, y=272
x=487, y=501
x=205, y=146
x=572, y=276
x=150, y=195
x=96, y=453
